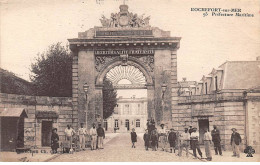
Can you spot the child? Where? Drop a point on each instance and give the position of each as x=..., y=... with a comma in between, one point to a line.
x=154, y=140
x=133, y=137
x=146, y=139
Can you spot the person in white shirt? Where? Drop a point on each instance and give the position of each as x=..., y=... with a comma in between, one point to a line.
x=184, y=142
x=162, y=136
x=93, y=135
x=69, y=132
x=194, y=137
x=82, y=132
x=207, y=141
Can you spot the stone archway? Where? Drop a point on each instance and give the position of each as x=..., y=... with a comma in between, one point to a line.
x=132, y=62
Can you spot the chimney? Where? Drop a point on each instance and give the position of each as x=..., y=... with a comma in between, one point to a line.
x=184, y=79
x=258, y=58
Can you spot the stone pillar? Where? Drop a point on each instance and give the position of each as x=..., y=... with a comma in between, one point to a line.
x=86, y=74
x=150, y=101
x=174, y=90
x=99, y=102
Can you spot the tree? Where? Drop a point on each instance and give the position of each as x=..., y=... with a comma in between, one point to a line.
x=52, y=72
x=109, y=98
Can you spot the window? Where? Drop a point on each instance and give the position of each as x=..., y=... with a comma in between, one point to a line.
x=127, y=109
x=139, y=109
x=216, y=83
x=137, y=123
x=105, y=124
x=116, y=109
x=116, y=123
x=126, y=123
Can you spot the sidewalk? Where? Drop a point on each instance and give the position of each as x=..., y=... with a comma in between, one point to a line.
x=39, y=157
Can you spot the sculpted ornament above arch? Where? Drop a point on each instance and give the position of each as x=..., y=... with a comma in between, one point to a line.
x=102, y=61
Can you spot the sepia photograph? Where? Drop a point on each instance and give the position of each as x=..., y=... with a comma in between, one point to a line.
x=129, y=81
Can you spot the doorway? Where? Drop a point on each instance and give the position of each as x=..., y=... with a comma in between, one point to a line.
x=46, y=133
x=203, y=124
x=127, y=124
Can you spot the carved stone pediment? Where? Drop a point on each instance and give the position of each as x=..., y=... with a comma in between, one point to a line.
x=125, y=19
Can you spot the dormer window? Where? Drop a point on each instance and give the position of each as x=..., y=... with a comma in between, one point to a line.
x=216, y=83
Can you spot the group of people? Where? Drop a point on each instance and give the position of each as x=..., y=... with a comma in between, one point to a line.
x=96, y=136
x=189, y=138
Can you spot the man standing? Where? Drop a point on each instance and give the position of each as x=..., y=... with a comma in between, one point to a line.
x=216, y=140
x=207, y=141
x=235, y=141
x=93, y=135
x=69, y=132
x=101, y=136
x=195, y=142
x=172, y=140
x=162, y=136
x=184, y=142
x=146, y=138
x=82, y=136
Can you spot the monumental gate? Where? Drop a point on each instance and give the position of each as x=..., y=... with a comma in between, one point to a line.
x=125, y=39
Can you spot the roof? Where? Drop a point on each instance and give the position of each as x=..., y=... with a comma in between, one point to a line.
x=241, y=74
x=13, y=112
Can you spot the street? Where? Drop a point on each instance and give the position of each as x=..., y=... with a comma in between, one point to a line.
x=118, y=149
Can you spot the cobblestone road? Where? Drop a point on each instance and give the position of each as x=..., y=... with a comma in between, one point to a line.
x=119, y=149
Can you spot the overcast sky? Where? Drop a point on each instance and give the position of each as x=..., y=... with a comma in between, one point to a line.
x=30, y=26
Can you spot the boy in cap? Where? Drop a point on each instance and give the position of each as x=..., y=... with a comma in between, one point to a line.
x=172, y=140
x=235, y=141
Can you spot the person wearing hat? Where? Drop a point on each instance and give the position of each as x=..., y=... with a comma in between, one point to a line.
x=216, y=140
x=235, y=141
x=82, y=132
x=69, y=133
x=194, y=137
x=93, y=135
x=207, y=141
x=172, y=140
x=100, y=136
x=54, y=141
x=184, y=142
x=162, y=136
x=146, y=138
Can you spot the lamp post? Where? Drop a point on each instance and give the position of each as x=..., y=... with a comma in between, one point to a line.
x=85, y=88
x=164, y=87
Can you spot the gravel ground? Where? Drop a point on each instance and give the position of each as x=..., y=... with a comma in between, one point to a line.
x=119, y=149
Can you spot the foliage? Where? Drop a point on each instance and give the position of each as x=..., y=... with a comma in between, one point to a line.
x=52, y=72
x=109, y=98
x=12, y=84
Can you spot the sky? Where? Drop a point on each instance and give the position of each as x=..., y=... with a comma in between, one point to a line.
x=28, y=27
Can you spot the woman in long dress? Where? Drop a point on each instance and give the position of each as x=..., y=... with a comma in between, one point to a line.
x=54, y=141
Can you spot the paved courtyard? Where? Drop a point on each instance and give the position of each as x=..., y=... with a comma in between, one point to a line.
x=119, y=149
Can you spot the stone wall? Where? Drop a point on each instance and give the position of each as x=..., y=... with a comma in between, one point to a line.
x=61, y=105
x=225, y=110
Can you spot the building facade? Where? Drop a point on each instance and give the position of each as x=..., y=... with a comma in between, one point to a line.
x=228, y=98
x=128, y=114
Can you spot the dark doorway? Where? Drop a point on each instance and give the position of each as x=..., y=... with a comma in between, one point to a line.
x=127, y=124
x=9, y=133
x=46, y=133
x=203, y=124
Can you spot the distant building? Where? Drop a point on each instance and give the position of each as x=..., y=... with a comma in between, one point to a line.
x=128, y=114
